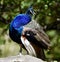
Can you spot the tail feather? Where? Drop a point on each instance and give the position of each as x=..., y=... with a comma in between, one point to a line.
x=28, y=47
x=39, y=52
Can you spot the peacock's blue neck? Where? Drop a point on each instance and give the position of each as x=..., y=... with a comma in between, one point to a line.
x=28, y=13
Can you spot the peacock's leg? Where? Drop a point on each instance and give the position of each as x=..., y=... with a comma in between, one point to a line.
x=20, y=52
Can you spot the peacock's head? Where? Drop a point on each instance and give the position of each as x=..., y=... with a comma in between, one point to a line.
x=30, y=11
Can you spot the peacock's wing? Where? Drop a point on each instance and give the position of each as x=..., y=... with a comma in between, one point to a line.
x=37, y=35
x=42, y=38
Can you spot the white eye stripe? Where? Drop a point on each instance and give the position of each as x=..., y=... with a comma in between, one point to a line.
x=31, y=11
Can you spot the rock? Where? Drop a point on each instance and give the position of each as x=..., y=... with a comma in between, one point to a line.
x=21, y=58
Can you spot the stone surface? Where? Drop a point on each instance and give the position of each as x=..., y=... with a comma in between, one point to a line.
x=20, y=58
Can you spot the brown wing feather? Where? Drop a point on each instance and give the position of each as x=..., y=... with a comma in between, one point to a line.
x=42, y=37
x=39, y=51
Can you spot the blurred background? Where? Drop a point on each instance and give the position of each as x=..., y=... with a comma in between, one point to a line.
x=47, y=15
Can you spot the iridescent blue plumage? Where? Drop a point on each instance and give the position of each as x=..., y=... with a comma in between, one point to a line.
x=16, y=26
x=19, y=21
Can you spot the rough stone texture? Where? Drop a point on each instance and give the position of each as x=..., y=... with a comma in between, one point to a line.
x=20, y=58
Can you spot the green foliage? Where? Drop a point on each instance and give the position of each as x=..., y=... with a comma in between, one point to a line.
x=47, y=14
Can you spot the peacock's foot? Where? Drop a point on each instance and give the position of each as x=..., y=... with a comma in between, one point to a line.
x=20, y=54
